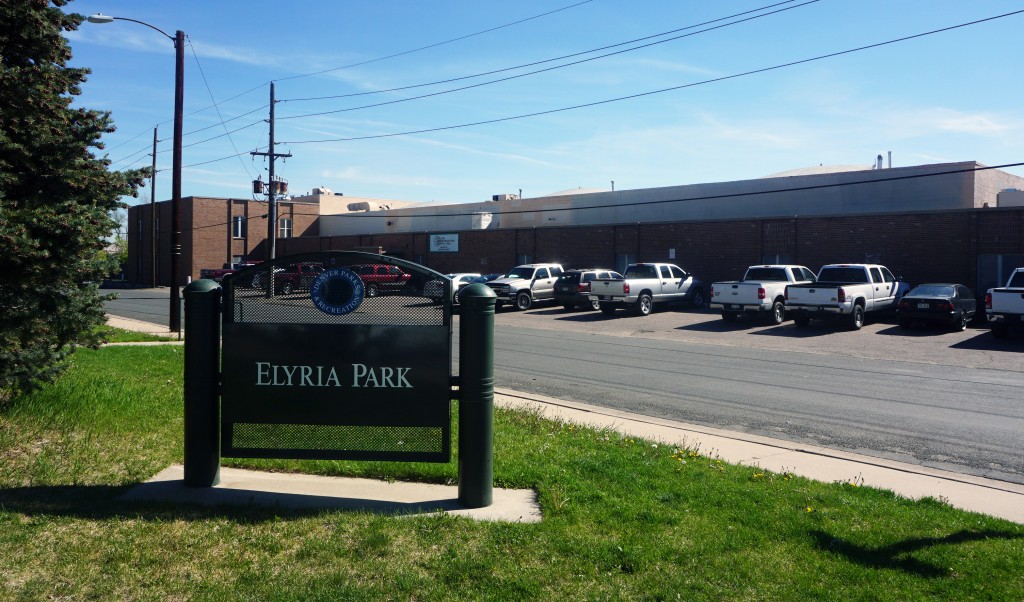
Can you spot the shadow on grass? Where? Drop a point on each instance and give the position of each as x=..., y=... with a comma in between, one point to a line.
x=107, y=501
x=897, y=556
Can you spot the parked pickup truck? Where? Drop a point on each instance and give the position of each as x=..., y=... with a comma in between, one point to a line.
x=762, y=292
x=844, y=291
x=525, y=284
x=1004, y=307
x=643, y=285
x=229, y=268
x=379, y=278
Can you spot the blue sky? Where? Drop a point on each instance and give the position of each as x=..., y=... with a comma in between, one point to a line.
x=952, y=96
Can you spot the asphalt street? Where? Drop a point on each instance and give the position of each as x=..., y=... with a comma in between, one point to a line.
x=947, y=400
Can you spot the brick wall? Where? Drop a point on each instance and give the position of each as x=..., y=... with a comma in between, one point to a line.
x=932, y=246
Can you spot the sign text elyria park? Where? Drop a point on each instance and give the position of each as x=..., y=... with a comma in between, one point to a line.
x=371, y=375
x=275, y=375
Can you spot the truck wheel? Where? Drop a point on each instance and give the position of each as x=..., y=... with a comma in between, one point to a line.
x=523, y=301
x=857, y=317
x=286, y=288
x=999, y=331
x=778, y=313
x=607, y=308
x=644, y=305
x=698, y=298
x=372, y=290
x=729, y=316
x=802, y=321
x=595, y=305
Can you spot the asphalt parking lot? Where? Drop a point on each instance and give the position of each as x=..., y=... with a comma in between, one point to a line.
x=880, y=338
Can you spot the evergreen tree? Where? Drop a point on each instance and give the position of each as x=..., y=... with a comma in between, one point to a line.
x=56, y=198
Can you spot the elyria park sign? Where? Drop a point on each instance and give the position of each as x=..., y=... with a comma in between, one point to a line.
x=318, y=369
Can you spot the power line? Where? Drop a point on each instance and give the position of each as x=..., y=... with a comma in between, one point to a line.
x=196, y=131
x=144, y=149
x=435, y=45
x=734, y=195
x=240, y=94
x=653, y=92
x=535, y=63
x=225, y=134
x=217, y=160
x=711, y=197
x=511, y=77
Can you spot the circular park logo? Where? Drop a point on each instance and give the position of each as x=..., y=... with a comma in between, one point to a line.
x=337, y=291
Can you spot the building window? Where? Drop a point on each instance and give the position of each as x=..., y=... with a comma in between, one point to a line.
x=238, y=227
x=285, y=229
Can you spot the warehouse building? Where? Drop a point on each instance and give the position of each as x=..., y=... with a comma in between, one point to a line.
x=953, y=221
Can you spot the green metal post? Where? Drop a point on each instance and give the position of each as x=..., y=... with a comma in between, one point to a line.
x=202, y=370
x=476, y=396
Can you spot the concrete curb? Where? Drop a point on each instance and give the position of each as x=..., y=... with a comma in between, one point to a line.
x=976, y=494
x=140, y=326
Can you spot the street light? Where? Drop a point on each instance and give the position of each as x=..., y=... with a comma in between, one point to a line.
x=179, y=97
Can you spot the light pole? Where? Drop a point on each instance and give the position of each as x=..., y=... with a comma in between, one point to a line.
x=179, y=99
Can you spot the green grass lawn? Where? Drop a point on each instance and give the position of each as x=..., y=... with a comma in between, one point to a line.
x=623, y=519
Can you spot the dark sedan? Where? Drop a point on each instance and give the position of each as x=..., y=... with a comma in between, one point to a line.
x=572, y=289
x=952, y=305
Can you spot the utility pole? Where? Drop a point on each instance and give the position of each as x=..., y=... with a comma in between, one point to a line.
x=272, y=186
x=152, y=216
x=179, y=101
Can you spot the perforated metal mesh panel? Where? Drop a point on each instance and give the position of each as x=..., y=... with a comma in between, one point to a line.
x=261, y=440
x=346, y=356
x=389, y=291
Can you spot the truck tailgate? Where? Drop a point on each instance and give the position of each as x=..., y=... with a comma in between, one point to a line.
x=1008, y=300
x=607, y=288
x=741, y=293
x=812, y=295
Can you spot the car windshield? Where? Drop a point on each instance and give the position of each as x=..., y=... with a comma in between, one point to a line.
x=931, y=290
x=766, y=274
x=852, y=275
x=641, y=271
x=520, y=273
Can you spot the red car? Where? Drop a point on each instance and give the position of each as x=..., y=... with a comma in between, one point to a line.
x=379, y=277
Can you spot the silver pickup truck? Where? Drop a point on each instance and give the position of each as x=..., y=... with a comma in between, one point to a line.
x=643, y=285
x=848, y=291
x=760, y=293
x=525, y=284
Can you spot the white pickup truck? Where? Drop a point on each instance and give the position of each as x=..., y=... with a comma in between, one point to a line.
x=761, y=292
x=1004, y=306
x=847, y=291
x=643, y=285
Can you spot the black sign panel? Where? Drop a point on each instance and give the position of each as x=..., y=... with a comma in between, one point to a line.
x=344, y=357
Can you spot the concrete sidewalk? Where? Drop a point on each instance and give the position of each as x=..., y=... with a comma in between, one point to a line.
x=976, y=494
x=239, y=487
